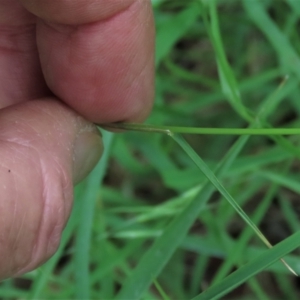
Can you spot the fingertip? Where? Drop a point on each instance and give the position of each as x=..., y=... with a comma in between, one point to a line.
x=77, y=12
x=103, y=70
x=39, y=152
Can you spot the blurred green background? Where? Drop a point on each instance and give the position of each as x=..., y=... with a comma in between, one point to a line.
x=145, y=223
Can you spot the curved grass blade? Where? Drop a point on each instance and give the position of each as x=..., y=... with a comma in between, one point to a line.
x=241, y=244
x=163, y=248
x=252, y=268
x=228, y=81
x=227, y=77
x=171, y=30
x=286, y=52
x=214, y=180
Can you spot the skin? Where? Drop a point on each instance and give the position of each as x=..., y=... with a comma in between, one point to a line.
x=63, y=65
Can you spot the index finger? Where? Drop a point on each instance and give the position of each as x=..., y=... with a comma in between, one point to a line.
x=98, y=55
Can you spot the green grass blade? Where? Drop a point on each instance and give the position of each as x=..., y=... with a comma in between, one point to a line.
x=84, y=230
x=289, y=212
x=259, y=292
x=283, y=180
x=286, y=286
x=281, y=44
x=229, y=84
x=241, y=244
x=171, y=30
x=295, y=5
x=198, y=274
x=160, y=252
x=198, y=130
x=252, y=268
x=271, y=103
x=162, y=293
x=214, y=180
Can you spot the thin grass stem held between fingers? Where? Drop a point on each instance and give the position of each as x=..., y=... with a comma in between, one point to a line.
x=170, y=130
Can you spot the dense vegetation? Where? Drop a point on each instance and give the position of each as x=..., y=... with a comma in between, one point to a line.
x=147, y=224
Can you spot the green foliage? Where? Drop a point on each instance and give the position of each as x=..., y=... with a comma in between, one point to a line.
x=152, y=223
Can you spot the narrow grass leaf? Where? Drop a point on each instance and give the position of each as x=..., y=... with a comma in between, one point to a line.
x=252, y=268
x=227, y=78
x=162, y=293
x=257, y=289
x=287, y=181
x=154, y=260
x=171, y=30
x=289, y=212
x=295, y=6
x=169, y=130
x=271, y=103
x=281, y=44
x=240, y=246
x=84, y=230
x=214, y=180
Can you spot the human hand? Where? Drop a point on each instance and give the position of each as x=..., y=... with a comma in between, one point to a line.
x=96, y=56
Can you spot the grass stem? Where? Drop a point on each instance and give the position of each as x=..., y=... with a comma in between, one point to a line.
x=170, y=130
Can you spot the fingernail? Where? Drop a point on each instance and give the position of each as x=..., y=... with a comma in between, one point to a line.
x=88, y=149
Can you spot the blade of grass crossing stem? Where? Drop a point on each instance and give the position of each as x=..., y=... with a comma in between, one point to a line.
x=252, y=268
x=83, y=236
x=154, y=260
x=215, y=181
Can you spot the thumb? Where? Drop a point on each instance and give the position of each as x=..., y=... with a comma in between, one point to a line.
x=44, y=148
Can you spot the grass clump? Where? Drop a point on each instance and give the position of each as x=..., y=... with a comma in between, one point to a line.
x=148, y=223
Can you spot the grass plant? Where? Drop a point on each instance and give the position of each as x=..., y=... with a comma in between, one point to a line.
x=152, y=221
